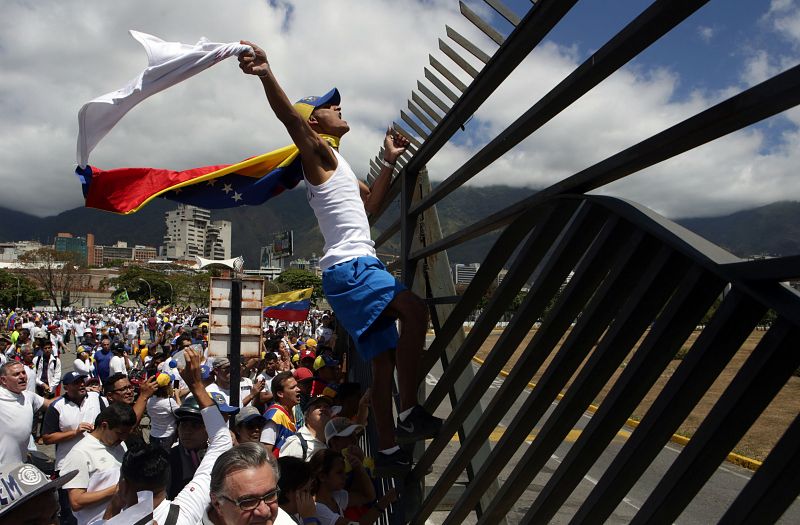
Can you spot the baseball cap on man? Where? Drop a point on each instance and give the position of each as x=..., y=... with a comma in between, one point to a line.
x=340, y=427
x=221, y=362
x=71, y=377
x=23, y=482
x=302, y=373
x=247, y=414
x=323, y=361
x=306, y=106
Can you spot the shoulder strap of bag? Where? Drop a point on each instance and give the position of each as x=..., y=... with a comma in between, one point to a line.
x=172, y=517
x=304, y=444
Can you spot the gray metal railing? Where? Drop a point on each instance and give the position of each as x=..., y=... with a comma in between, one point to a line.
x=615, y=292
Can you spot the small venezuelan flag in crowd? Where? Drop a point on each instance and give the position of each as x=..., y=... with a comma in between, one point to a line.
x=288, y=306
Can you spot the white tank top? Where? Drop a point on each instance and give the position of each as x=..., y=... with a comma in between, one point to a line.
x=342, y=219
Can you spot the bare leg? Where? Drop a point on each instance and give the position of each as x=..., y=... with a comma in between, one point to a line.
x=413, y=315
x=382, y=376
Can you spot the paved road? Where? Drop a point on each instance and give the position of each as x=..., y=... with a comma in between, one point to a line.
x=708, y=506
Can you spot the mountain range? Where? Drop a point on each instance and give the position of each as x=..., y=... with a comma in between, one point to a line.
x=773, y=229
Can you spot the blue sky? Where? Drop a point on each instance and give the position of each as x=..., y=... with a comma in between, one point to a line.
x=56, y=56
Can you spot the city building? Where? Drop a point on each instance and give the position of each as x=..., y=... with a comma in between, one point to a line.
x=66, y=242
x=120, y=251
x=191, y=233
x=10, y=251
x=464, y=273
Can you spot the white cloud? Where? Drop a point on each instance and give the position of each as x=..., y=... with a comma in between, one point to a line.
x=373, y=51
x=706, y=33
x=784, y=16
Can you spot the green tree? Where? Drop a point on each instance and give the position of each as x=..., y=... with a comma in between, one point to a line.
x=293, y=279
x=28, y=294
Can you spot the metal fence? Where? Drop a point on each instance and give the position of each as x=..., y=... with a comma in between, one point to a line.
x=615, y=292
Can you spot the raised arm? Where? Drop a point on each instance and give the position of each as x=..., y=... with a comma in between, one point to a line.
x=316, y=154
x=394, y=145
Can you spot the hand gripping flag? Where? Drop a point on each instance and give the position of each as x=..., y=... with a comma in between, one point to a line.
x=126, y=190
x=288, y=306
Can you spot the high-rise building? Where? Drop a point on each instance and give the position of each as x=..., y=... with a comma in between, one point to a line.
x=191, y=232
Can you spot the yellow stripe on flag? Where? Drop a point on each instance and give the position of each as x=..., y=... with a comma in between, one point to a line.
x=288, y=297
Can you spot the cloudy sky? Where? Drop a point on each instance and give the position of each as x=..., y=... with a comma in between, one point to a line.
x=55, y=56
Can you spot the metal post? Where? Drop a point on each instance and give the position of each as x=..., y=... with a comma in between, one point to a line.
x=236, y=342
x=17, y=292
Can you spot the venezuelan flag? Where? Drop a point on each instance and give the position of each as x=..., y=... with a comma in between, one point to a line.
x=288, y=306
x=10, y=320
x=247, y=183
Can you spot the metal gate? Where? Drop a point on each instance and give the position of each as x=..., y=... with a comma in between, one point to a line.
x=615, y=292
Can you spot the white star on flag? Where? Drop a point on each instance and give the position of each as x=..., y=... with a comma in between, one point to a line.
x=237, y=196
x=227, y=188
x=212, y=182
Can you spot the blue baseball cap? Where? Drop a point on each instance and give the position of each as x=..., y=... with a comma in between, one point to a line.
x=71, y=377
x=306, y=106
x=224, y=407
x=205, y=372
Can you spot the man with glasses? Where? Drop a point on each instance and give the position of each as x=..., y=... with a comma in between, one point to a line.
x=118, y=388
x=244, y=488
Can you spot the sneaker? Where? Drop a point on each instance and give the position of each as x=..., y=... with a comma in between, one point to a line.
x=394, y=465
x=418, y=425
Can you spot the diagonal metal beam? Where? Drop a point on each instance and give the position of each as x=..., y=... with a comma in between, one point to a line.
x=637, y=36
x=773, y=96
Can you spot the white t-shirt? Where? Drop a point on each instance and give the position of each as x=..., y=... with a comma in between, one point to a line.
x=326, y=515
x=132, y=327
x=162, y=416
x=293, y=446
x=267, y=380
x=117, y=365
x=81, y=367
x=79, y=328
x=63, y=415
x=245, y=387
x=96, y=464
x=17, y=409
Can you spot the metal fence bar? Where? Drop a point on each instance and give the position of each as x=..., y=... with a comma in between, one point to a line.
x=776, y=269
x=554, y=271
x=588, y=330
x=544, y=222
x=758, y=381
x=730, y=326
x=690, y=301
x=766, y=99
x=530, y=31
x=773, y=487
x=504, y=11
x=466, y=44
x=518, y=274
x=637, y=36
x=481, y=24
x=648, y=281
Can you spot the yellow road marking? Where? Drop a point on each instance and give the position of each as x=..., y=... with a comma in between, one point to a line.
x=572, y=437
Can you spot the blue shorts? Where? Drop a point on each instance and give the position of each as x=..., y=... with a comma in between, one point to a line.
x=359, y=290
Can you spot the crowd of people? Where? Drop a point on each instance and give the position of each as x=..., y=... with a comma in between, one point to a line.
x=121, y=411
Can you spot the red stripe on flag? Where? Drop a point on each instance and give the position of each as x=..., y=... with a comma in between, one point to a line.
x=122, y=190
